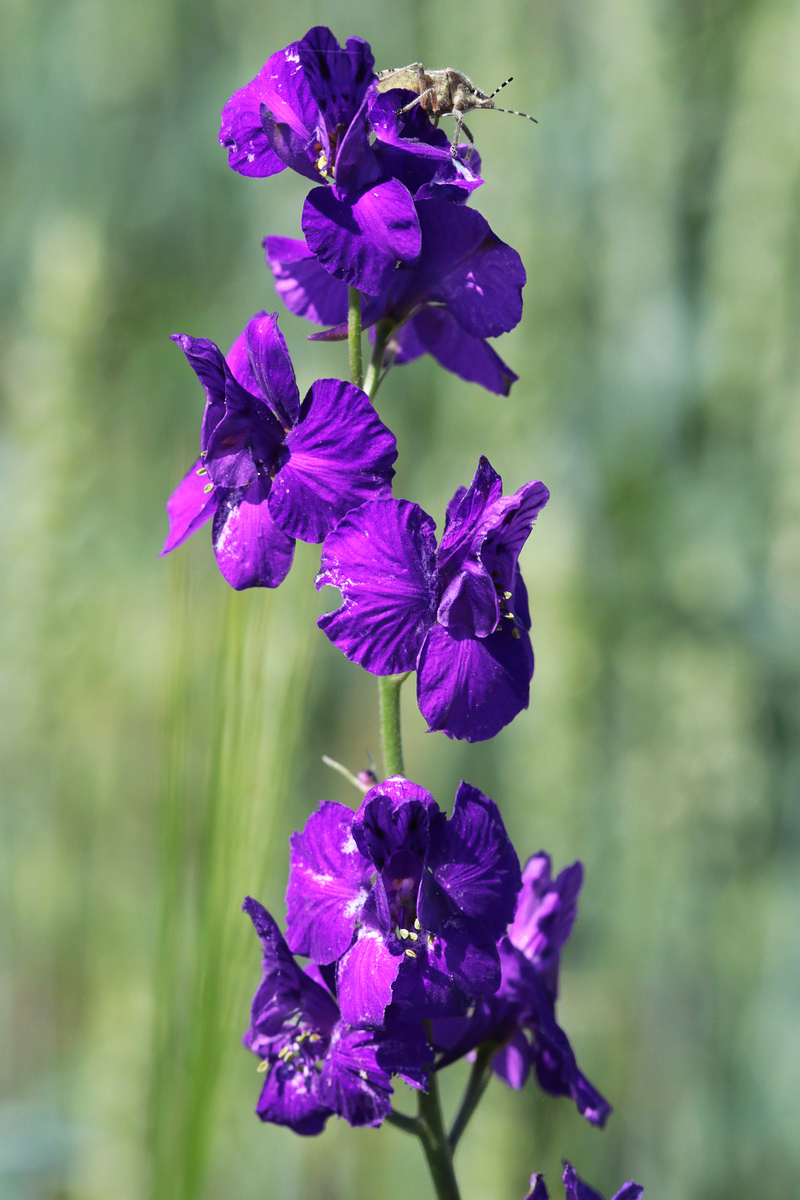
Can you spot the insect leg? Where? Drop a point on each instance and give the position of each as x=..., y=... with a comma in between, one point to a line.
x=459, y=116
x=421, y=99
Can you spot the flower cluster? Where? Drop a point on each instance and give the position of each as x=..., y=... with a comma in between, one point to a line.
x=411, y=916
x=425, y=943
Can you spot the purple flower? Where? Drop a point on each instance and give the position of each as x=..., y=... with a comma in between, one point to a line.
x=457, y=614
x=315, y=1065
x=465, y=287
x=272, y=469
x=407, y=902
x=576, y=1189
x=309, y=108
x=520, y=1017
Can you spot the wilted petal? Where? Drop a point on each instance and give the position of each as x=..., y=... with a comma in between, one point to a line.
x=189, y=507
x=381, y=557
x=472, y=687
x=303, y=285
x=328, y=884
x=339, y=456
x=366, y=975
x=251, y=551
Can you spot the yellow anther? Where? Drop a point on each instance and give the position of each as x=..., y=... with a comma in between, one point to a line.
x=208, y=488
x=413, y=936
x=410, y=954
x=201, y=471
x=506, y=595
x=417, y=924
x=262, y=1066
x=403, y=933
x=515, y=632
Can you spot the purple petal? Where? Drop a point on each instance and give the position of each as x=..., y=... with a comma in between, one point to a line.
x=339, y=456
x=470, y=601
x=576, y=1189
x=271, y=367
x=472, y=687
x=366, y=975
x=290, y=1097
x=280, y=87
x=362, y=241
x=208, y=364
x=394, y=815
x=352, y=1082
x=468, y=268
x=381, y=557
x=556, y=1068
x=403, y=1049
x=251, y=551
x=303, y=285
x=337, y=76
x=466, y=514
x=436, y=331
x=356, y=165
x=546, y=911
x=412, y=131
x=513, y=1063
x=475, y=862
x=328, y=884
x=507, y=527
x=471, y=959
x=189, y=507
x=538, y=1190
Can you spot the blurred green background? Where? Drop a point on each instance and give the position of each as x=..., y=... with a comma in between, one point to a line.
x=161, y=736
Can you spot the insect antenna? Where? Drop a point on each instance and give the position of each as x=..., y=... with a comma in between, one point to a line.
x=505, y=83
x=515, y=113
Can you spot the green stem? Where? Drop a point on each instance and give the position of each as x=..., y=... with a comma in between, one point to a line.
x=354, y=336
x=375, y=372
x=431, y=1132
x=391, y=736
x=479, y=1077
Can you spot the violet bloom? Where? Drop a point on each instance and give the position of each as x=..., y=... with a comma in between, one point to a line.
x=308, y=109
x=407, y=902
x=520, y=1018
x=457, y=614
x=272, y=469
x=315, y=1065
x=465, y=287
x=576, y=1189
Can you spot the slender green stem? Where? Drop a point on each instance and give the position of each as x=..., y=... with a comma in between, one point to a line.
x=479, y=1077
x=349, y=776
x=401, y=1121
x=354, y=336
x=391, y=736
x=431, y=1133
x=375, y=372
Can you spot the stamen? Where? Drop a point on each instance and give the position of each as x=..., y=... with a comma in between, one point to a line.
x=202, y=471
x=416, y=923
x=411, y=954
x=262, y=1066
x=208, y=488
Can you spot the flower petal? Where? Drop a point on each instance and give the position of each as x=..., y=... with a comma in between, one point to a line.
x=362, y=240
x=576, y=1189
x=472, y=687
x=468, y=268
x=339, y=456
x=507, y=526
x=281, y=87
x=366, y=975
x=546, y=912
x=290, y=1097
x=538, y=1190
x=303, y=285
x=466, y=514
x=351, y=1081
x=271, y=367
x=189, y=507
x=381, y=557
x=436, y=331
x=338, y=76
x=395, y=815
x=251, y=551
x=474, y=861
x=208, y=364
x=328, y=883
x=513, y=1062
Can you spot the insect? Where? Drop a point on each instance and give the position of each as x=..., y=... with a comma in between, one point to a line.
x=443, y=93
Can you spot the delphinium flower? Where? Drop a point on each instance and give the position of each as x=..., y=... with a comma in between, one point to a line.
x=406, y=902
x=465, y=287
x=315, y=1065
x=457, y=614
x=308, y=109
x=272, y=469
x=520, y=1018
x=576, y=1189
